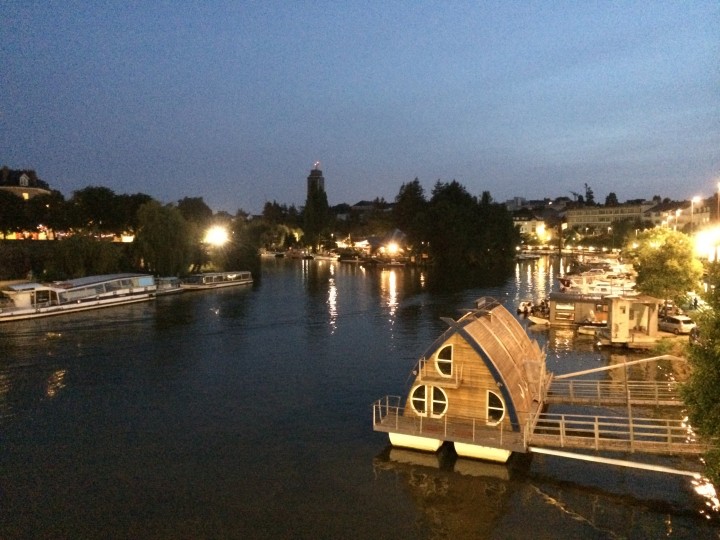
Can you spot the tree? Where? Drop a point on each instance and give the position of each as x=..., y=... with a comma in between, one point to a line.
x=11, y=212
x=163, y=239
x=96, y=210
x=82, y=255
x=665, y=263
x=611, y=199
x=410, y=212
x=129, y=205
x=48, y=210
x=194, y=210
x=701, y=392
x=589, y=196
x=243, y=251
x=469, y=240
x=316, y=216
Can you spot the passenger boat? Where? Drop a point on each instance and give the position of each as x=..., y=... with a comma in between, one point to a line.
x=168, y=285
x=216, y=280
x=33, y=300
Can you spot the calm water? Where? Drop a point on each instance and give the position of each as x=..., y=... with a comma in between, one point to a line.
x=246, y=414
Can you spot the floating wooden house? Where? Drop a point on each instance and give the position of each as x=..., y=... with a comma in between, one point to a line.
x=632, y=322
x=477, y=386
x=483, y=386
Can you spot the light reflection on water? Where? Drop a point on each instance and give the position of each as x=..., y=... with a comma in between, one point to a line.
x=245, y=413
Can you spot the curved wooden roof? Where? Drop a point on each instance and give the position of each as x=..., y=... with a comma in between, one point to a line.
x=516, y=363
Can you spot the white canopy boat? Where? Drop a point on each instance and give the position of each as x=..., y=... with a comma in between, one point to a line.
x=33, y=300
x=215, y=280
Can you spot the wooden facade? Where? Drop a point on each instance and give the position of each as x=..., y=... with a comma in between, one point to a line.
x=484, y=372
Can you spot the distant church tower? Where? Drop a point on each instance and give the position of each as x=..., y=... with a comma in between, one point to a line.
x=316, y=180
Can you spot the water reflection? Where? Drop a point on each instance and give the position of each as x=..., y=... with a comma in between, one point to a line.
x=459, y=498
x=332, y=299
x=55, y=383
x=389, y=291
x=455, y=498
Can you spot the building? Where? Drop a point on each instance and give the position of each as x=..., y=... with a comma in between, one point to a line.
x=23, y=183
x=602, y=217
x=315, y=180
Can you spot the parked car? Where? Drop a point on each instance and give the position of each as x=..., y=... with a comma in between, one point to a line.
x=677, y=324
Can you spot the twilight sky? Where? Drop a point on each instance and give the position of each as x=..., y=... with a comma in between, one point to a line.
x=233, y=101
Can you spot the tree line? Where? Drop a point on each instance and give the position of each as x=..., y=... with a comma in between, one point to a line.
x=465, y=237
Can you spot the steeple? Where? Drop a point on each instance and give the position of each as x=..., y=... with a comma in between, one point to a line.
x=316, y=180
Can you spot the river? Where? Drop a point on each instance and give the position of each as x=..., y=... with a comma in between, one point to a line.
x=246, y=413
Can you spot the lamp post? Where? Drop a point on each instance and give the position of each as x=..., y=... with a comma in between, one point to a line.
x=692, y=212
x=718, y=202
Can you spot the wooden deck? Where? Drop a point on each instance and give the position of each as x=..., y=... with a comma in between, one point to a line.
x=390, y=417
x=661, y=436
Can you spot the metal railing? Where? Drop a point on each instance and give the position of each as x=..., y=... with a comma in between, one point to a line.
x=427, y=373
x=610, y=433
x=611, y=393
x=391, y=417
x=648, y=435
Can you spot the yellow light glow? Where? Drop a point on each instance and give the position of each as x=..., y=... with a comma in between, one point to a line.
x=707, y=243
x=216, y=236
x=392, y=248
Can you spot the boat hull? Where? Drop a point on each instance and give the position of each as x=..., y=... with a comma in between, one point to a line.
x=193, y=286
x=426, y=444
x=216, y=280
x=486, y=453
x=23, y=314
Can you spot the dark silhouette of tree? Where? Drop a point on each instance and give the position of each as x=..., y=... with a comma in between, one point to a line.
x=316, y=216
x=128, y=208
x=194, y=210
x=82, y=255
x=589, y=196
x=611, y=199
x=469, y=240
x=96, y=210
x=243, y=251
x=12, y=212
x=48, y=210
x=410, y=212
x=163, y=239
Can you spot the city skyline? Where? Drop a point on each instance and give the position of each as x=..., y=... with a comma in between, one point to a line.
x=235, y=102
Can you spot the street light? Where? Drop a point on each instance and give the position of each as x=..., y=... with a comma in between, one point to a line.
x=718, y=202
x=692, y=211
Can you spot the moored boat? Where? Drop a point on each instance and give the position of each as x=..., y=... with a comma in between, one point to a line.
x=34, y=300
x=216, y=280
x=168, y=285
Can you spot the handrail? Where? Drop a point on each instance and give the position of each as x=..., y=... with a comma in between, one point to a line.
x=603, y=431
x=453, y=380
x=650, y=435
x=652, y=392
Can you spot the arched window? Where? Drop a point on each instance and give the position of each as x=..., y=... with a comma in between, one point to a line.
x=439, y=401
x=495, y=408
x=430, y=399
x=418, y=399
x=444, y=361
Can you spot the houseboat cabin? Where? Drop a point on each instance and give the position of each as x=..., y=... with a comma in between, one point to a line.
x=476, y=386
x=568, y=309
